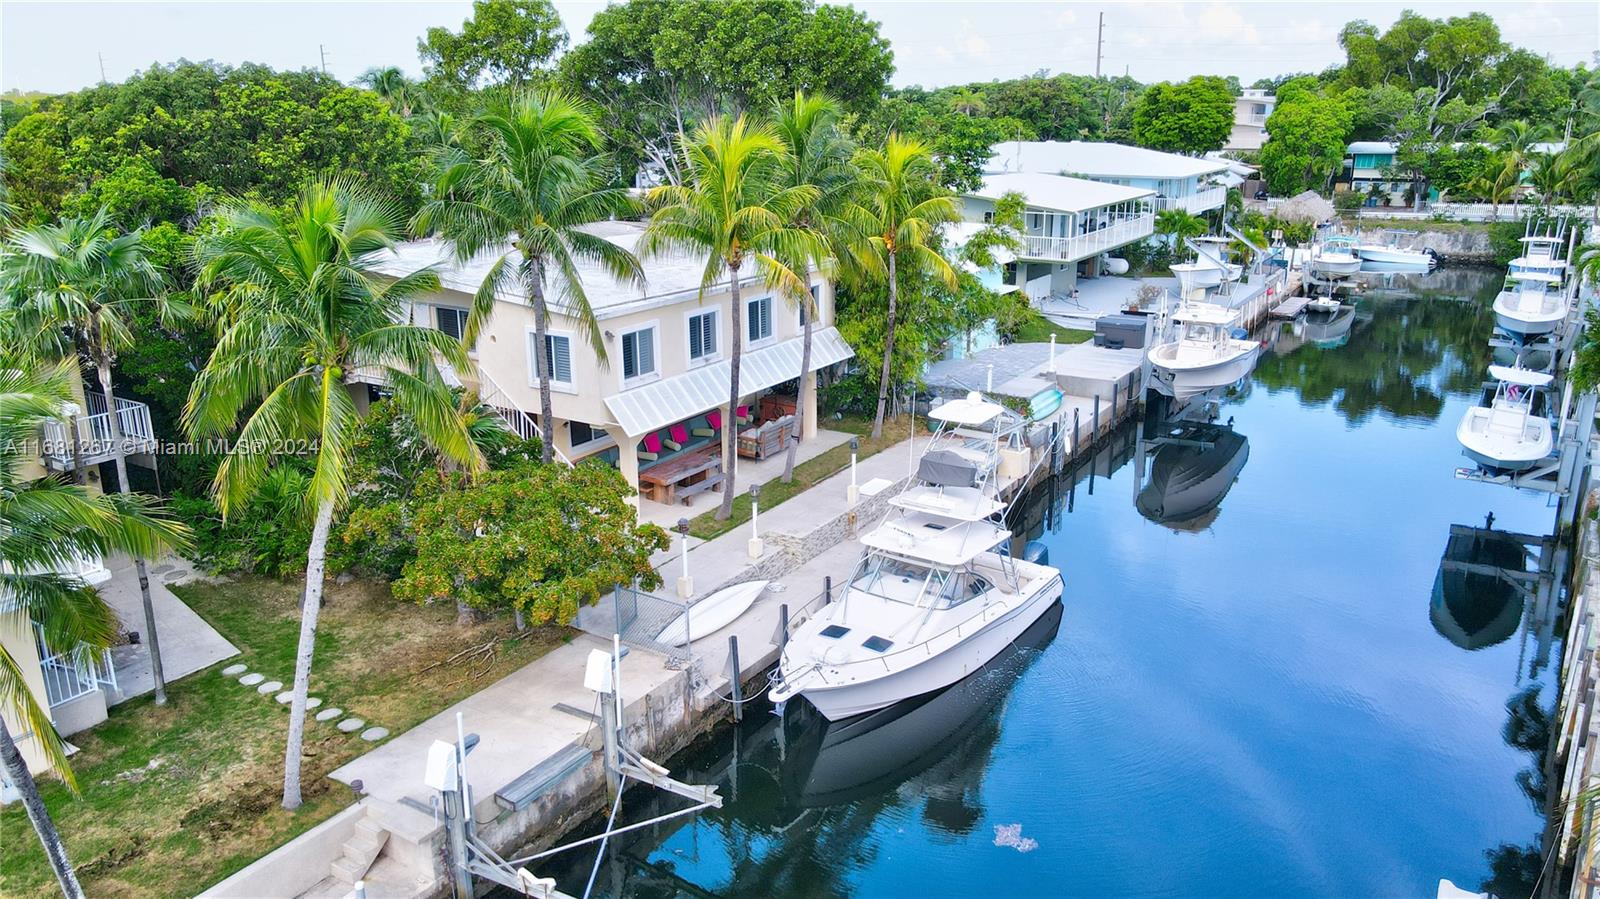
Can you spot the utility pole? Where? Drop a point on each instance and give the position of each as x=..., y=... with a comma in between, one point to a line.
x=102, y=67
x=323, y=52
x=1099, y=44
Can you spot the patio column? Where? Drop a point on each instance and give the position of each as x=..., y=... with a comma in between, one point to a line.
x=627, y=461
x=808, y=415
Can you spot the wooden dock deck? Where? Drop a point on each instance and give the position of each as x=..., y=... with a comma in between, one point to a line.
x=1290, y=307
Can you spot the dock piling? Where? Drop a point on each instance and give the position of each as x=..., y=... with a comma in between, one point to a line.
x=733, y=676
x=827, y=589
x=1074, y=432
x=1094, y=433
x=783, y=625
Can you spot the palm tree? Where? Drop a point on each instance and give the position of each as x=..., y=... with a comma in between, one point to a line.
x=307, y=312
x=816, y=154
x=46, y=525
x=1180, y=225
x=392, y=85
x=733, y=206
x=82, y=279
x=899, y=209
x=540, y=180
x=1554, y=175
x=968, y=102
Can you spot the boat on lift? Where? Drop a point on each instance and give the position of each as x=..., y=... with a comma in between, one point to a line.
x=935, y=596
x=1532, y=305
x=1210, y=267
x=1388, y=251
x=1202, y=351
x=1335, y=257
x=1506, y=435
x=1541, y=253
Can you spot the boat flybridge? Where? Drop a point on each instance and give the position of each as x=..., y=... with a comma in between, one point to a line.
x=1202, y=353
x=1506, y=435
x=1532, y=305
x=1541, y=253
x=1210, y=267
x=1387, y=250
x=1336, y=257
x=935, y=596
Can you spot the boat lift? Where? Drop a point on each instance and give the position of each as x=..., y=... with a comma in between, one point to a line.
x=470, y=856
x=1538, y=586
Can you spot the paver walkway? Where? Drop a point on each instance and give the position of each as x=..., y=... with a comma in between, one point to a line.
x=188, y=643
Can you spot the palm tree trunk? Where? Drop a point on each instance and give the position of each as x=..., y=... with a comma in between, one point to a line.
x=888, y=350
x=120, y=451
x=800, y=393
x=541, y=316
x=730, y=426
x=309, y=607
x=17, y=772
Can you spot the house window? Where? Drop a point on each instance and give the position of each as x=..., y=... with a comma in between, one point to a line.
x=702, y=336
x=638, y=353
x=558, y=349
x=758, y=321
x=988, y=218
x=580, y=433
x=451, y=320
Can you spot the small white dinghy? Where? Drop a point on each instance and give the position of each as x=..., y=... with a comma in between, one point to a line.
x=711, y=614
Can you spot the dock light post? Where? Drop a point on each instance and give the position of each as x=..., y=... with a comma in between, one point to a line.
x=988, y=381
x=685, y=583
x=1052, y=352
x=853, y=494
x=755, y=546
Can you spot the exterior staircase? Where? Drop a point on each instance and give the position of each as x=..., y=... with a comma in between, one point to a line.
x=360, y=851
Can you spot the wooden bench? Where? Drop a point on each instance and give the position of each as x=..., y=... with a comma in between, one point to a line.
x=541, y=778
x=662, y=480
x=712, y=481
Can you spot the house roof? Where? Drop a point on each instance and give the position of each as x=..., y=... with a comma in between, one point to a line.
x=1058, y=192
x=1371, y=146
x=668, y=277
x=1096, y=160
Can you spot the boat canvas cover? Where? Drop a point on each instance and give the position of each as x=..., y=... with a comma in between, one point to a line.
x=1519, y=376
x=943, y=468
x=970, y=411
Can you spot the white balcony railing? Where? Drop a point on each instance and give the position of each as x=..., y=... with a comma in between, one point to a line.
x=1082, y=246
x=90, y=439
x=1202, y=201
x=1257, y=120
x=70, y=675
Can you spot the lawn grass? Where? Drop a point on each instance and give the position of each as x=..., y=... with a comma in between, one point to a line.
x=176, y=798
x=1037, y=329
x=807, y=474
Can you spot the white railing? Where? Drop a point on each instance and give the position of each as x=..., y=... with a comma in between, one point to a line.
x=1210, y=198
x=515, y=417
x=93, y=435
x=1258, y=120
x=1071, y=249
x=69, y=675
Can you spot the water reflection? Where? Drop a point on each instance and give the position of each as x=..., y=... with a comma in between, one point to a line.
x=1477, y=597
x=1427, y=344
x=1192, y=469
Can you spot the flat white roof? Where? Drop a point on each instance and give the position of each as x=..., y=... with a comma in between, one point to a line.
x=667, y=277
x=1058, y=192
x=1097, y=160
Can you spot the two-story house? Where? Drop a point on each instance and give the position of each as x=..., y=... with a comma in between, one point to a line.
x=1175, y=181
x=1250, y=112
x=655, y=388
x=1069, y=224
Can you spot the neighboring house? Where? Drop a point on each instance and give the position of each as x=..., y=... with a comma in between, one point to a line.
x=1175, y=181
x=1250, y=111
x=1068, y=226
x=76, y=691
x=666, y=371
x=1369, y=170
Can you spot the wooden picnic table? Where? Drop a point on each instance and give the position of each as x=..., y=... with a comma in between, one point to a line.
x=664, y=478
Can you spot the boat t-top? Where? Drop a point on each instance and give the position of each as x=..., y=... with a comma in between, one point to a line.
x=1541, y=253
x=1210, y=267
x=934, y=597
x=1202, y=352
x=1387, y=251
x=1335, y=257
x=1532, y=304
x=1506, y=435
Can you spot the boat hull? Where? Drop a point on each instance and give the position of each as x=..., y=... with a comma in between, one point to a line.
x=711, y=614
x=1528, y=324
x=1188, y=382
x=1499, y=453
x=1336, y=266
x=842, y=701
x=1393, y=256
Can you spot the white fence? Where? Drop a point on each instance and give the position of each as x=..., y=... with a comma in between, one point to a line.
x=1475, y=212
x=90, y=436
x=69, y=675
x=1072, y=249
x=1210, y=198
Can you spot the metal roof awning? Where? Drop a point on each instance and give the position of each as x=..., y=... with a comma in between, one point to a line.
x=656, y=405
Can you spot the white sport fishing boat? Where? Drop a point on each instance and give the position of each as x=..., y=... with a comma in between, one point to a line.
x=1541, y=253
x=1387, y=250
x=1335, y=257
x=1202, y=353
x=935, y=597
x=1532, y=304
x=1209, y=269
x=1506, y=435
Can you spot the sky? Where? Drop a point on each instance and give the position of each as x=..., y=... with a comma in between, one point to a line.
x=61, y=45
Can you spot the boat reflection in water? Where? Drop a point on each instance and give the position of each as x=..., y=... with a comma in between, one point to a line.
x=1327, y=331
x=1190, y=475
x=1476, y=603
x=831, y=763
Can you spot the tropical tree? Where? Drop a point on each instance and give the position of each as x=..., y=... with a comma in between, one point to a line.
x=306, y=312
x=816, y=155
x=1180, y=225
x=898, y=211
x=968, y=102
x=83, y=280
x=540, y=179
x=1554, y=175
x=733, y=207
x=46, y=526
x=393, y=86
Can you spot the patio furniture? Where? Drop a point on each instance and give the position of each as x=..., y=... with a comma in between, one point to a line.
x=652, y=448
x=777, y=405
x=766, y=440
x=662, y=482
x=712, y=481
x=742, y=414
x=677, y=437
x=713, y=424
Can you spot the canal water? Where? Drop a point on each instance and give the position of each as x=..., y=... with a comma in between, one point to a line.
x=1254, y=693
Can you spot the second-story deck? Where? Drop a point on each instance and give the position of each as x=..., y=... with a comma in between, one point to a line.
x=1197, y=202
x=1124, y=228
x=90, y=439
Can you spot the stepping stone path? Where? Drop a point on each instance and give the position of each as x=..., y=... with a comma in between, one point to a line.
x=264, y=686
x=269, y=686
x=329, y=714
x=232, y=670
x=285, y=697
x=373, y=734
x=250, y=680
x=312, y=702
x=350, y=724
